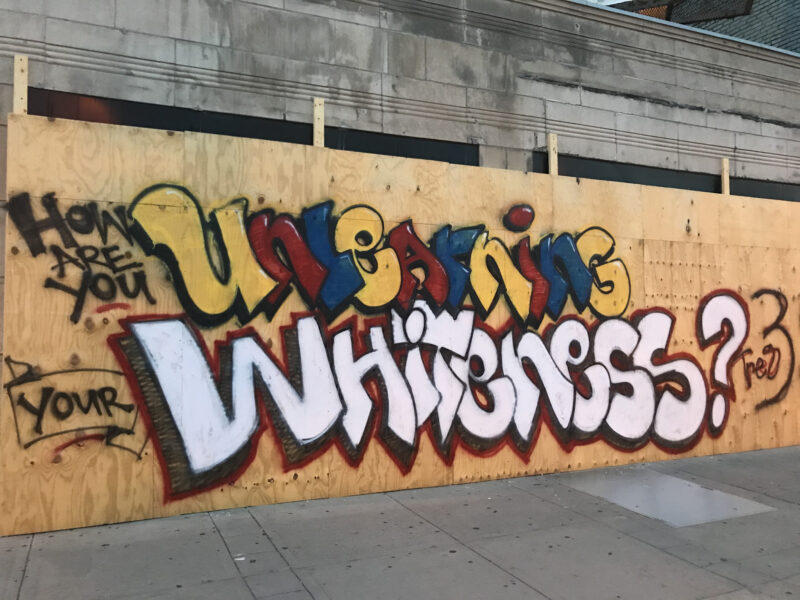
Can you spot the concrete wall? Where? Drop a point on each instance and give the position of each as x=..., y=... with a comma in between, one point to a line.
x=499, y=73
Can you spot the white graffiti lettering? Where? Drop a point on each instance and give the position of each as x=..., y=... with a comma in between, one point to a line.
x=615, y=381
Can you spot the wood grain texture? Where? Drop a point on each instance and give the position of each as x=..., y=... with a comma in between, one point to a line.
x=677, y=247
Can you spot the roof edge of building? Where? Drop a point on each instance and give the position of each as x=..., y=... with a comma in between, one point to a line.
x=690, y=34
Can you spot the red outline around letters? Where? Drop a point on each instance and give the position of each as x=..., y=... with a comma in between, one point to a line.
x=360, y=327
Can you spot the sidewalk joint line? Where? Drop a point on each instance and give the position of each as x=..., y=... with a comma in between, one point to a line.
x=25, y=567
x=470, y=548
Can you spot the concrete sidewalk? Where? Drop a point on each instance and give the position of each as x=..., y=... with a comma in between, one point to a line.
x=567, y=536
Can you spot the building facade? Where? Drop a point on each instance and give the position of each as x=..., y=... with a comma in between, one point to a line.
x=199, y=321
x=495, y=73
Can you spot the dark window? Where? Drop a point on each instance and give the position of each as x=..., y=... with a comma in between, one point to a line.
x=765, y=189
x=399, y=145
x=590, y=168
x=64, y=105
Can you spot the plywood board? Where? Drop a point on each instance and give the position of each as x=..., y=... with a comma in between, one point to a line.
x=196, y=322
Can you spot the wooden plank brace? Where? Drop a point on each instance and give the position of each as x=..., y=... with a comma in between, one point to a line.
x=552, y=153
x=319, y=122
x=20, y=84
x=726, y=176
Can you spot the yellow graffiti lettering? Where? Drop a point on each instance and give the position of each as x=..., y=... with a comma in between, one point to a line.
x=211, y=270
x=611, y=288
x=359, y=230
x=491, y=264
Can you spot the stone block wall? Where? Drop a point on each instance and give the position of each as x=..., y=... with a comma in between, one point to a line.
x=499, y=73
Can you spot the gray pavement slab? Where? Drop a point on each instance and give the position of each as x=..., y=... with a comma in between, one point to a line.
x=314, y=533
x=532, y=537
x=152, y=557
x=276, y=584
x=778, y=565
x=599, y=562
x=772, y=473
x=231, y=523
x=736, y=571
x=655, y=533
x=670, y=499
x=13, y=559
x=449, y=572
x=737, y=595
x=230, y=589
x=296, y=595
x=260, y=563
x=697, y=555
x=480, y=510
x=777, y=589
x=747, y=537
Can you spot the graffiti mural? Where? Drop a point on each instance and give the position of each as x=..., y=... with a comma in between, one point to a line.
x=774, y=362
x=481, y=386
x=350, y=259
x=104, y=272
x=265, y=350
x=47, y=405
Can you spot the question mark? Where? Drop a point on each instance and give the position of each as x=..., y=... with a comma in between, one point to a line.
x=722, y=319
